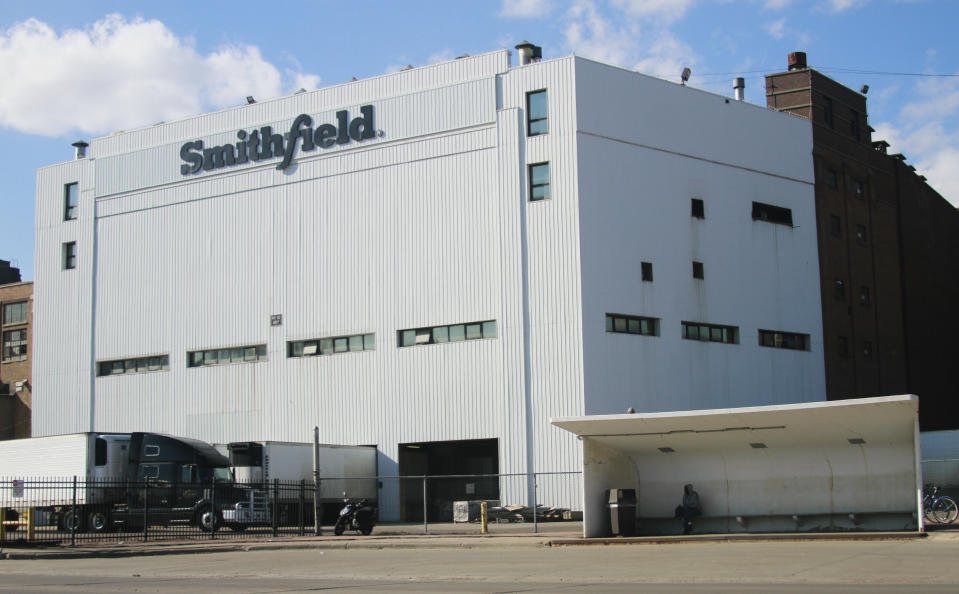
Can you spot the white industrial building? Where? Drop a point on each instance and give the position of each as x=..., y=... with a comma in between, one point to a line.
x=472, y=248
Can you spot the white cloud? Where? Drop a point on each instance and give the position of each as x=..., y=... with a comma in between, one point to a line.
x=666, y=11
x=525, y=9
x=121, y=73
x=776, y=29
x=666, y=57
x=843, y=5
x=776, y=4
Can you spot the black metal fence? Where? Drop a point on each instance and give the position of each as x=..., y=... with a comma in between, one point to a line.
x=79, y=510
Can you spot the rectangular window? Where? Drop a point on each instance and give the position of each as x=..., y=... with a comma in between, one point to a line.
x=244, y=354
x=698, y=271
x=15, y=313
x=854, y=123
x=14, y=345
x=784, y=340
x=772, y=214
x=864, y=296
x=69, y=255
x=843, y=345
x=621, y=324
x=859, y=189
x=647, y=271
x=330, y=345
x=827, y=111
x=861, y=234
x=710, y=332
x=835, y=226
x=832, y=180
x=539, y=182
x=443, y=334
x=70, y=201
x=867, y=350
x=839, y=289
x=697, y=208
x=135, y=365
x=537, y=112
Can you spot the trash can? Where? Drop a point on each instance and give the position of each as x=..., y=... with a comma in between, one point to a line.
x=622, y=511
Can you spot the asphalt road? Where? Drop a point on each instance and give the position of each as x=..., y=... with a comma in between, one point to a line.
x=927, y=565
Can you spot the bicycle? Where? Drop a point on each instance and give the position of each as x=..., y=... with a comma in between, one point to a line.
x=940, y=508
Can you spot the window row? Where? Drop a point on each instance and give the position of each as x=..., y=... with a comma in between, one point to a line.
x=625, y=324
x=137, y=365
x=843, y=344
x=839, y=293
x=330, y=346
x=243, y=354
x=441, y=334
x=15, y=313
x=710, y=332
x=632, y=325
x=14, y=345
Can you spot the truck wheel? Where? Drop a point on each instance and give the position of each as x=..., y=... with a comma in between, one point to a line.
x=207, y=520
x=99, y=521
x=70, y=521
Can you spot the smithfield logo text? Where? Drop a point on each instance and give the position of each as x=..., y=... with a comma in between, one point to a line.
x=262, y=144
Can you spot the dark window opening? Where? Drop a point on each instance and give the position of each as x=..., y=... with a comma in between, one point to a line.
x=843, y=346
x=772, y=214
x=827, y=111
x=70, y=201
x=835, y=226
x=859, y=189
x=839, y=289
x=864, y=296
x=710, y=332
x=784, y=340
x=632, y=325
x=537, y=111
x=832, y=180
x=647, y=271
x=69, y=255
x=698, y=209
x=861, y=234
x=854, y=123
x=867, y=350
x=698, y=270
x=539, y=182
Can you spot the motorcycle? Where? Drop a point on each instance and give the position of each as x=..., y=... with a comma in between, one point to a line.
x=356, y=515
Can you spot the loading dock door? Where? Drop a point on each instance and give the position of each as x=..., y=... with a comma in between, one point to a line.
x=441, y=458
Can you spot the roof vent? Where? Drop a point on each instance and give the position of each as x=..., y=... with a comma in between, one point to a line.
x=529, y=53
x=797, y=60
x=81, y=146
x=739, y=88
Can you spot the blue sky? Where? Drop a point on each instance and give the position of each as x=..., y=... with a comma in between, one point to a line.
x=85, y=69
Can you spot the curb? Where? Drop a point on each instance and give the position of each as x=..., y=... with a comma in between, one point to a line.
x=685, y=539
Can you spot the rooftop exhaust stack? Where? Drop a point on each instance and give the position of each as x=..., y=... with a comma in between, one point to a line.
x=739, y=88
x=81, y=147
x=529, y=53
x=797, y=60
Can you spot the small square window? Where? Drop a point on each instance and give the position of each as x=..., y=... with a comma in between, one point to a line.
x=326, y=346
x=539, y=182
x=843, y=346
x=698, y=270
x=859, y=189
x=489, y=329
x=69, y=255
x=356, y=343
x=839, y=289
x=647, y=271
x=861, y=234
x=474, y=331
x=867, y=350
x=831, y=178
x=341, y=345
x=441, y=334
x=697, y=208
x=835, y=226
x=457, y=333
x=369, y=342
x=864, y=296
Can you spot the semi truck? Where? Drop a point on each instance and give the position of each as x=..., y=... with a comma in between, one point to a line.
x=346, y=471
x=103, y=481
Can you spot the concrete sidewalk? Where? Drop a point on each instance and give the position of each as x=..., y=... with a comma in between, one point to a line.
x=422, y=541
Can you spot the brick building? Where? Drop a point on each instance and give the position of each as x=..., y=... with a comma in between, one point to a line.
x=888, y=252
x=16, y=332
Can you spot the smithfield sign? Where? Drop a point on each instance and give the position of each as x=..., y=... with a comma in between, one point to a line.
x=263, y=144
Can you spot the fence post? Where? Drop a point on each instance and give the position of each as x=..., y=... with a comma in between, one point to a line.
x=484, y=517
x=426, y=529
x=3, y=527
x=73, y=515
x=275, y=506
x=146, y=508
x=301, y=518
x=31, y=522
x=535, y=527
x=212, y=509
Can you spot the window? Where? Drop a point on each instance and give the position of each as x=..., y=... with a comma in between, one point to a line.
x=863, y=295
x=854, y=123
x=772, y=214
x=539, y=182
x=329, y=346
x=831, y=179
x=698, y=209
x=14, y=345
x=867, y=350
x=843, y=346
x=244, y=354
x=15, y=313
x=827, y=111
x=861, y=234
x=70, y=255
x=784, y=340
x=647, y=271
x=859, y=189
x=537, y=121
x=839, y=289
x=835, y=225
x=70, y=198
x=441, y=334
x=710, y=332
x=134, y=365
x=698, y=270
x=632, y=325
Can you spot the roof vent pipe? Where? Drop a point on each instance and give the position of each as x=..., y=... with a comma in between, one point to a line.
x=739, y=88
x=529, y=53
x=797, y=60
x=81, y=147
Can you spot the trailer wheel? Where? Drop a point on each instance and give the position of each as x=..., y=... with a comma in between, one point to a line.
x=207, y=520
x=70, y=521
x=99, y=521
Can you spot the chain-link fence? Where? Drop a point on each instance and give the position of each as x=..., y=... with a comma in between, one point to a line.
x=79, y=510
